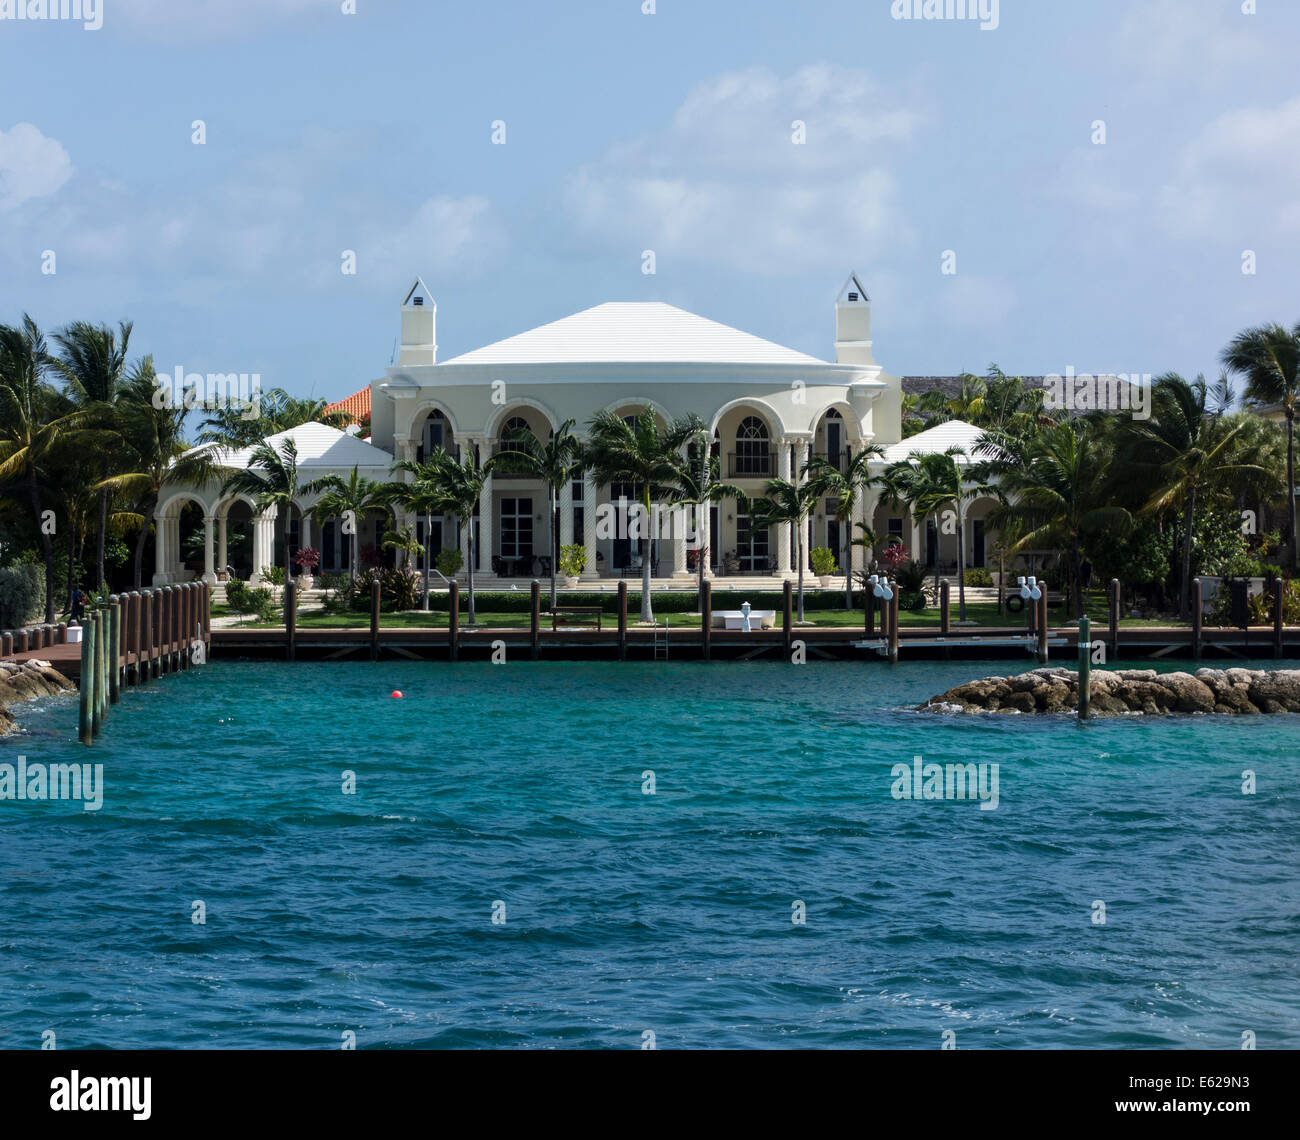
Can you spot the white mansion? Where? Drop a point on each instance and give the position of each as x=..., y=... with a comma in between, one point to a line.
x=767, y=409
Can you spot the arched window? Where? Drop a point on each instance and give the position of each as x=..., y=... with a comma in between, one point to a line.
x=513, y=424
x=753, y=456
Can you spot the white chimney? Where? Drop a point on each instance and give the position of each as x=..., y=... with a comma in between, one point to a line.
x=419, y=327
x=853, y=324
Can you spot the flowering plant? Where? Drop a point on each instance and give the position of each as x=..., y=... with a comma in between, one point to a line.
x=308, y=558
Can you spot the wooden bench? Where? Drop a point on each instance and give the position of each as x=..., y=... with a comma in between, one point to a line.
x=575, y=615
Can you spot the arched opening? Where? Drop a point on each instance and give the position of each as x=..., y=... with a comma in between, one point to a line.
x=753, y=455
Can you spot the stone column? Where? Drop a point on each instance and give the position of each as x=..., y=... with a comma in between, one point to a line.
x=566, y=513
x=784, y=562
x=680, y=522
x=159, y=551
x=589, y=516
x=263, y=543
x=800, y=458
x=209, y=553
x=485, y=527
x=223, y=552
x=915, y=533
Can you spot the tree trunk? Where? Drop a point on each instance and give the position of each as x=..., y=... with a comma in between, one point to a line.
x=847, y=546
x=938, y=548
x=72, y=560
x=1076, y=561
x=428, y=555
x=799, y=545
x=138, y=573
x=961, y=569
x=99, y=549
x=47, y=546
x=1185, y=585
x=469, y=570
x=555, y=542
x=1290, y=481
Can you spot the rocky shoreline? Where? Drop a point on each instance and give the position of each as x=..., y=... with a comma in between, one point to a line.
x=1127, y=692
x=25, y=681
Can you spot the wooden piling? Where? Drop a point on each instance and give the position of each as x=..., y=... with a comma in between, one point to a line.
x=97, y=674
x=290, y=620
x=22, y=641
x=114, y=648
x=1041, y=607
x=186, y=624
x=1279, y=600
x=1085, y=667
x=706, y=619
x=1197, y=618
x=164, y=630
x=86, y=697
x=945, y=607
x=787, y=616
x=453, y=620
x=622, y=620
x=893, y=624
x=535, y=624
x=207, y=621
x=6, y=644
x=148, y=602
x=374, y=620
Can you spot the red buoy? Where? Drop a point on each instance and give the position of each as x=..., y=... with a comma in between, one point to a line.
x=397, y=693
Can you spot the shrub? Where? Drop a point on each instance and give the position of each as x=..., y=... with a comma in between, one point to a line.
x=398, y=590
x=1260, y=607
x=978, y=576
x=910, y=577
x=22, y=594
x=573, y=560
x=913, y=600
x=449, y=562
x=823, y=561
x=274, y=575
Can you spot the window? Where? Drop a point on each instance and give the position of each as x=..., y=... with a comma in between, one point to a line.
x=513, y=424
x=752, y=454
x=516, y=528
x=751, y=545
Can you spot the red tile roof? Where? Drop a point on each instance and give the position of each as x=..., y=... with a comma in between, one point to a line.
x=357, y=405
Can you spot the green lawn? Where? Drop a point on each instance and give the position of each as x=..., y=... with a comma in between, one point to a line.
x=983, y=615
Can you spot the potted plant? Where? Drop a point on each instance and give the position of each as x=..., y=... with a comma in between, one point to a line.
x=307, y=559
x=823, y=564
x=573, y=561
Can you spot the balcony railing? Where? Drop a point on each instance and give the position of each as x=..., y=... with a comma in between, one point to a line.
x=501, y=472
x=750, y=465
x=837, y=459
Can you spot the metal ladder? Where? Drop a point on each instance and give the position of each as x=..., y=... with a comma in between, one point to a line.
x=661, y=643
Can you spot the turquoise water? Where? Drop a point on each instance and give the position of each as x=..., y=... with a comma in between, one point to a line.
x=627, y=912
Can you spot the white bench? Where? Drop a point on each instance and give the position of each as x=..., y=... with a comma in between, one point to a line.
x=734, y=619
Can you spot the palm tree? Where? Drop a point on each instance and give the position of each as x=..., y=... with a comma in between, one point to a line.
x=700, y=483
x=645, y=456
x=425, y=494
x=92, y=361
x=272, y=480
x=1056, y=496
x=845, y=487
x=929, y=483
x=461, y=482
x=350, y=497
x=555, y=462
x=34, y=420
x=785, y=501
x=1269, y=358
x=404, y=542
x=156, y=455
x=1184, y=452
x=246, y=423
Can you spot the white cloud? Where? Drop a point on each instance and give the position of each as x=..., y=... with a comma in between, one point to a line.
x=1201, y=42
x=724, y=182
x=1243, y=167
x=31, y=165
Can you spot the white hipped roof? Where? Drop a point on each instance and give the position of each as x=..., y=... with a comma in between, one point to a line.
x=319, y=446
x=937, y=440
x=634, y=332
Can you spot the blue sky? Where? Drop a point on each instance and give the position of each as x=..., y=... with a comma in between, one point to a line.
x=670, y=132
